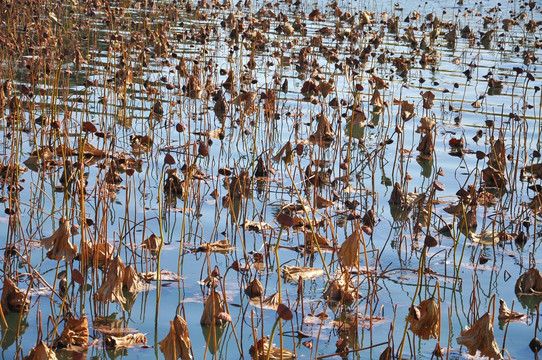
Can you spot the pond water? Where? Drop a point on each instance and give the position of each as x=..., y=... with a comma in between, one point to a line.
x=270, y=125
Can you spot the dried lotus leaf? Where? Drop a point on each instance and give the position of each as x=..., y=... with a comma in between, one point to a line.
x=424, y=319
x=340, y=290
x=177, y=342
x=293, y=273
x=528, y=288
x=213, y=306
x=262, y=351
x=41, y=352
x=221, y=246
x=152, y=243
x=348, y=254
x=75, y=333
x=13, y=299
x=505, y=314
x=111, y=289
x=254, y=289
x=59, y=243
x=126, y=341
x=131, y=280
x=480, y=337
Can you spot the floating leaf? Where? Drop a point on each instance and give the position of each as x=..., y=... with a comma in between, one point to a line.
x=293, y=273
x=221, y=246
x=262, y=351
x=126, y=341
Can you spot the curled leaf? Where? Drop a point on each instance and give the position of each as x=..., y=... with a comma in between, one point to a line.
x=505, y=314
x=13, y=299
x=111, y=289
x=177, y=342
x=262, y=351
x=480, y=337
x=212, y=307
x=349, y=252
x=41, y=352
x=424, y=319
x=59, y=243
x=126, y=341
x=75, y=333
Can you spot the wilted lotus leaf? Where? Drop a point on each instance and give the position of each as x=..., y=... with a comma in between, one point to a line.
x=177, y=342
x=324, y=133
x=272, y=302
x=426, y=124
x=141, y=143
x=310, y=237
x=505, y=314
x=75, y=333
x=262, y=351
x=153, y=243
x=96, y=254
x=174, y=185
x=248, y=102
x=213, y=306
x=261, y=169
x=62, y=249
x=322, y=202
x=41, y=352
x=493, y=178
x=486, y=38
x=254, y=289
x=480, y=337
x=424, y=319
x=221, y=246
x=91, y=150
x=285, y=153
x=407, y=110
x=293, y=273
x=111, y=289
x=326, y=87
x=309, y=89
x=497, y=155
x=126, y=341
x=468, y=221
x=534, y=169
x=426, y=146
x=397, y=197
x=376, y=101
x=340, y=290
x=428, y=99
x=349, y=252
x=131, y=280
x=193, y=88
x=486, y=237
x=528, y=287
x=257, y=226
x=13, y=299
